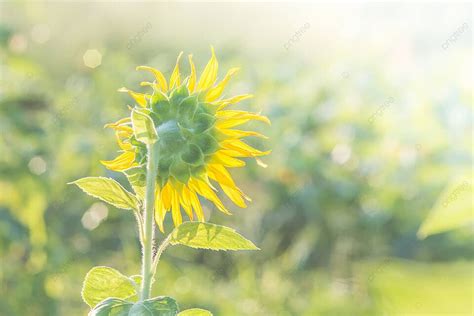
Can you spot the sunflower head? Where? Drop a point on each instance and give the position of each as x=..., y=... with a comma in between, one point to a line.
x=196, y=141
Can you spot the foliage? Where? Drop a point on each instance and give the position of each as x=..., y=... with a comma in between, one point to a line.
x=209, y=236
x=326, y=225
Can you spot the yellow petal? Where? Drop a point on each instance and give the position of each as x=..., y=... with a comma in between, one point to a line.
x=220, y=157
x=119, y=135
x=231, y=118
x=160, y=211
x=196, y=205
x=120, y=163
x=221, y=175
x=160, y=79
x=216, y=92
x=233, y=153
x=175, y=209
x=140, y=98
x=209, y=75
x=235, y=133
x=234, y=195
x=175, y=79
x=204, y=190
x=125, y=120
x=185, y=201
x=228, y=114
x=192, y=76
x=223, y=103
x=124, y=132
x=150, y=84
x=166, y=195
x=241, y=147
x=205, y=178
x=122, y=128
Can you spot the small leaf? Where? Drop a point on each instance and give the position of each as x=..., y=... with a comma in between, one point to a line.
x=137, y=178
x=112, y=307
x=143, y=127
x=209, y=236
x=137, y=281
x=108, y=190
x=158, y=306
x=104, y=282
x=195, y=312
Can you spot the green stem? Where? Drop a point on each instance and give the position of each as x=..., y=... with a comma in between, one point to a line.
x=160, y=250
x=151, y=171
x=139, y=219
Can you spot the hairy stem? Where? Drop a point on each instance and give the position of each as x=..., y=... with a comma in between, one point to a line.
x=139, y=219
x=151, y=171
x=160, y=250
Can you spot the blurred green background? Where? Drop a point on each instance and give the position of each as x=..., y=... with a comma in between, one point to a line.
x=371, y=109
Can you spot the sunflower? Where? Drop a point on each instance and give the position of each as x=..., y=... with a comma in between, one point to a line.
x=197, y=141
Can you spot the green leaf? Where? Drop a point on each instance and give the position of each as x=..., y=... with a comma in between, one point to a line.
x=158, y=306
x=209, y=236
x=143, y=127
x=453, y=209
x=195, y=312
x=104, y=282
x=137, y=281
x=137, y=178
x=108, y=190
x=112, y=307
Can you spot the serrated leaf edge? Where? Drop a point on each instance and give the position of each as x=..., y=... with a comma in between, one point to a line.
x=98, y=267
x=128, y=193
x=173, y=242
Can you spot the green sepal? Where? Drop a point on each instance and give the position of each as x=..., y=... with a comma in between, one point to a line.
x=178, y=95
x=203, y=122
x=164, y=164
x=186, y=132
x=187, y=107
x=206, y=143
x=160, y=105
x=193, y=155
x=143, y=127
x=180, y=170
